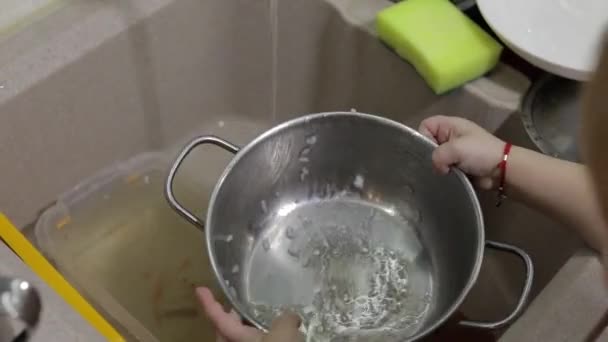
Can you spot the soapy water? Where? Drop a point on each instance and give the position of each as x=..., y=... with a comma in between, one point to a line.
x=375, y=305
x=305, y=152
x=304, y=172
x=311, y=139
x=290, y=232
x=357, y=286
x=264, y=206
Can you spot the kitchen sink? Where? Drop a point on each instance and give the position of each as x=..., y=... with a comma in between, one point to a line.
x=149, y=75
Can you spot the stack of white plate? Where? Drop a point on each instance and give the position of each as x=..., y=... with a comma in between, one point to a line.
x=559, y=36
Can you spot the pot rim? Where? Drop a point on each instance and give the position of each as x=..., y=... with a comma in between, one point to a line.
x=236, y=304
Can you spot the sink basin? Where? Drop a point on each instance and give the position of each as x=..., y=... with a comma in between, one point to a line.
x=164, y=71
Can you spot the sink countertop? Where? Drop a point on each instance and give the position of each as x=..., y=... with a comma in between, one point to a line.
x=572, y=308
x=58, y=321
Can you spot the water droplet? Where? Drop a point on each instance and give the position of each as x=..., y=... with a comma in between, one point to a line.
x=229, y=238
x=359, y=182
x=305, y=151
x=235, y=269
x=311, y=139
x=266, y=245
x=304, y=159
x=290, y=232
x=353, y=110
x=293, y=251
x=264, y=206
x=146, y=179
x=227, y=282
x=316, y=252
x=220, y=124
x=307, y=263
x=411, y=213
x=304, y=173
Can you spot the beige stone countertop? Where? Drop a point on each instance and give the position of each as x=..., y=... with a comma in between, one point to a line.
x=571, y=308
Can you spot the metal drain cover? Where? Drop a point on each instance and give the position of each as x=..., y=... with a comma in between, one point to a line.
x=551, y=114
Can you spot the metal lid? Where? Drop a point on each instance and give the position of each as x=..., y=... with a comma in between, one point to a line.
x=550, y=113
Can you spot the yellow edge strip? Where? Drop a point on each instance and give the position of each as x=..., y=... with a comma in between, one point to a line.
x=38, y=263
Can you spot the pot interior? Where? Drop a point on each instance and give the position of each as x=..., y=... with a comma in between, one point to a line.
x=341, y=217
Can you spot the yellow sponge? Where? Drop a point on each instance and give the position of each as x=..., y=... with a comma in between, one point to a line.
x=446, y=47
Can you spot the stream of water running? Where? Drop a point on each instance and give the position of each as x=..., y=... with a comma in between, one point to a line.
x=273, y=9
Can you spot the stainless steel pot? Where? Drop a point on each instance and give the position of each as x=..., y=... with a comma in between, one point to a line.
x=19, y=309
x=340, y=217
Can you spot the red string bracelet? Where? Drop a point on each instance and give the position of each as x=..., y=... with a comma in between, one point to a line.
x=502, y=166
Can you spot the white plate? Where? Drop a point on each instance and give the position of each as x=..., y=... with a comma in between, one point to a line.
x=559, y=36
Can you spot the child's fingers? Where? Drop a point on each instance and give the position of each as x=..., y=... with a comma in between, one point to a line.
x=426, y=132
x=285, y=329
x=430, y=127
x=229, y=327
x=235, y=316
x=445, y=156
x=444, y=128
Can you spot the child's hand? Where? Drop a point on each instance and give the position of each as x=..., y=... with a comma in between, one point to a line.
x=465, y=145
x=231, y=329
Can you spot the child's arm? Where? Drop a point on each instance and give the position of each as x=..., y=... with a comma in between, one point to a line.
x=558, y=188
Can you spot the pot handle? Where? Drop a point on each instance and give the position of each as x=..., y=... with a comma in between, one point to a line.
x=185, y=213
x=525, y=292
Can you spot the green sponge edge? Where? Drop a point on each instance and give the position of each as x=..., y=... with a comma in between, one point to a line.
x=440, y=78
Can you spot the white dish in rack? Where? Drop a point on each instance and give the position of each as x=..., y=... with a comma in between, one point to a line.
x=559, y=36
